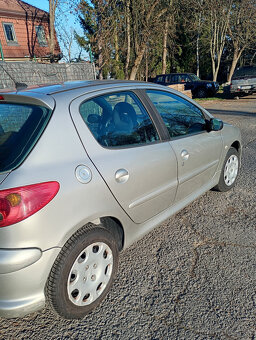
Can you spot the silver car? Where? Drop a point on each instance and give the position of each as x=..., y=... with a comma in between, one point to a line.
x=86, y=169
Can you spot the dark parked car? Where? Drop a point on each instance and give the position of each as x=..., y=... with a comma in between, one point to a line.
x=199, y=88
x=243, y=81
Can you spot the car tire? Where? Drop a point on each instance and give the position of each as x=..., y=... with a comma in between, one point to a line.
x=83, y=272
x=229, y=172
x=201, y=93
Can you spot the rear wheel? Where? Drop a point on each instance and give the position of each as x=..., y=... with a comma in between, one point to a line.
x=229, y=171
x=83, y=272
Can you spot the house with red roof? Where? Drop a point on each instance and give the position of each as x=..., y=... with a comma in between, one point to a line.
x=24, y=33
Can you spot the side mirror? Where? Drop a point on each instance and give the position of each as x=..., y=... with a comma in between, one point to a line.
x=215, y=124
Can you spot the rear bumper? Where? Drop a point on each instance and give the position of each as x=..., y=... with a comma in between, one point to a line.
x=242, y=89
x=22, y=290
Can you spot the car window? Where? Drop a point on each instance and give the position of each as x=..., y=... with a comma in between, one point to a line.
x=175, y=78
x=160, y=79
x=179, y=115
x=194, y=77
x=118, y=119
x=183, y=78
x=168, y=78
x=20, y=127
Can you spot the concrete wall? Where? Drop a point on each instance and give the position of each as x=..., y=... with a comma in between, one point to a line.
x=31, y=73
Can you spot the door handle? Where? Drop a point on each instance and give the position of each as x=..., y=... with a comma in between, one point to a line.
x=184, y=155
x=121, y=175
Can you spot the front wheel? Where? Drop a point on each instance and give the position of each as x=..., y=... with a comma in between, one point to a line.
x=83, y=272
x=201, y=93
x=229, y=171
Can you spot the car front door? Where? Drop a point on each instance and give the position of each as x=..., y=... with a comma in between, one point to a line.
x=124, y=145
x=198, y=151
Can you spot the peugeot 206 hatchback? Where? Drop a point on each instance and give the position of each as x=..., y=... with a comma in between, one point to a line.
x=86, y=169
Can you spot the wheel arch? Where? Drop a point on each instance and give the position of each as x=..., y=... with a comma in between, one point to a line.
x=111, y=224
x=115, y=227
x=237, y=146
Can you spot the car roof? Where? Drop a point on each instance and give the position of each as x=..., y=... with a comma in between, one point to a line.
x=246, y=66
x=49, y=89
x=47, y=94
x=171, y=74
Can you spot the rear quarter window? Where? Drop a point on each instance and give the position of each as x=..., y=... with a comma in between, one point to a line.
x=20, y=127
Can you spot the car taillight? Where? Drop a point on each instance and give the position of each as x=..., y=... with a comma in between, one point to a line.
x=16, y=204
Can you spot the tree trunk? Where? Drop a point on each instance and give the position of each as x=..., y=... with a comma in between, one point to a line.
x=100, y=55
x=213, y=64
x=52, y=9
x=197, y=45
x=146, y=66
x=197, y=56
x=128, y=32
x=218, y=51
x=253, y=56
x=116, y=46
x=236, y=57
x=215, y=75
x=166, y=28
x=100, y=61
x=137, y=62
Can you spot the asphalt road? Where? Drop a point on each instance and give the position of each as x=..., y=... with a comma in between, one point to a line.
x=193, y=277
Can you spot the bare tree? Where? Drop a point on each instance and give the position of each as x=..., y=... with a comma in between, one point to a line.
x=149, y=12
x=133, y=38
x=98, y=20
x=67, y=37
x=219, y=17
x=241, y=30
x=169, y=21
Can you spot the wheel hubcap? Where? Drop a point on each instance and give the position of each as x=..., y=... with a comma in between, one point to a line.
x=231, y=170
x=90, y=274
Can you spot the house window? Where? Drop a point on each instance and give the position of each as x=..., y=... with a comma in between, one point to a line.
x=9, y=33
x=41, y=36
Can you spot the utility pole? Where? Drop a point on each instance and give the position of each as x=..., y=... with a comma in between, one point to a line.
x=91, y=60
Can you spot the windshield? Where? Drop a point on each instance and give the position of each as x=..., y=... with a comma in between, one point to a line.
x=20, y=127
x=245, y=71
x=194, y=77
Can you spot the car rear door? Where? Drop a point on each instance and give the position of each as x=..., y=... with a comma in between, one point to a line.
x=198, y=151
x=125, y=145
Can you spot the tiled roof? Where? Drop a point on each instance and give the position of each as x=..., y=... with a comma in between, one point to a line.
x=18, y=7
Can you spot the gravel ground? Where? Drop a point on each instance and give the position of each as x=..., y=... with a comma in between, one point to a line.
x=193, y=277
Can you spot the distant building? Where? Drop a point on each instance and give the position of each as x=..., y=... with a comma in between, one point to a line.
x=24, y=32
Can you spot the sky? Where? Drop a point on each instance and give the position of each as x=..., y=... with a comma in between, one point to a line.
x=72, y=23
